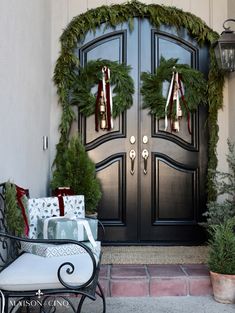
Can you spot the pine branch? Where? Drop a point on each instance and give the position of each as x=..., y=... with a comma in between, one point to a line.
x=74, y=169
x=224, y=183
x=222, y=247
x=14, y=217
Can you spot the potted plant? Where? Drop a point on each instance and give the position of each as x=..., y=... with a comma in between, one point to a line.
x=74, y=169
x=220, y=224
x=222, y=260
x=223, y=208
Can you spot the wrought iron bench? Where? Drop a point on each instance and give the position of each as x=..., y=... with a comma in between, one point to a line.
x=25, y=277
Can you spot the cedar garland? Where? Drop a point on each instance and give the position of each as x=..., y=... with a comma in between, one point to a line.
x=113, y=15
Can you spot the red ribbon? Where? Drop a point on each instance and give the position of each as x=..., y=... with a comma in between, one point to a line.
x=61, y=204
x=171, y=103
x=185, y=104
x=107, y=100
x=20, y=192
x=60, y=192
x=107, y=86
x=97, y=108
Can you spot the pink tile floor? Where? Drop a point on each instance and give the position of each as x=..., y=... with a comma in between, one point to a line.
x=155, y=280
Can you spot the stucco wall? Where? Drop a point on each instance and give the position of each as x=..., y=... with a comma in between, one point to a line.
x=231, y=81
x=25, y=92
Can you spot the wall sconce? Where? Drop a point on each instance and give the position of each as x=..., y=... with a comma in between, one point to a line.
x=225, y=49
x=45, y=142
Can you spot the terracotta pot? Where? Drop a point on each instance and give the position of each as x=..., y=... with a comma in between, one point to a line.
x=92, y=215
x=223, y=287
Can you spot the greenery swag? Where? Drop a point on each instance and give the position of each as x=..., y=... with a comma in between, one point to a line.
x=195, y=87
x=68, y=62
x=90, y=75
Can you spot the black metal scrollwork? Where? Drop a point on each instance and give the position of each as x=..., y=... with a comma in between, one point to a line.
x=9, y=251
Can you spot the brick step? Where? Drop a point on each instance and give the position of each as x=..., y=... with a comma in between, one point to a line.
x=155, y=280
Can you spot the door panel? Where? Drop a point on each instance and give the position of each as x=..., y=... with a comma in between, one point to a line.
x=112, y=178
x=172, y=174
x=110, y=150
x=111, y=47
x=162, y=203
x=171, y=48
x=173, y=209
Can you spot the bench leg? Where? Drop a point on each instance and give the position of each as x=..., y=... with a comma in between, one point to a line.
x=81, y=303
x=101, y=294
x=6, y=305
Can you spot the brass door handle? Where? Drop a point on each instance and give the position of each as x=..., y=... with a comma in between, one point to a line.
x=145, y=155
x=132, y=156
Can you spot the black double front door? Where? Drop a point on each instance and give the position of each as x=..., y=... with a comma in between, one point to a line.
x=162, y=200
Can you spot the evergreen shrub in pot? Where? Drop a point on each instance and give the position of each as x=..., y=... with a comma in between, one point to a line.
x=221, y=227
x=74, y=169
x=222, y=260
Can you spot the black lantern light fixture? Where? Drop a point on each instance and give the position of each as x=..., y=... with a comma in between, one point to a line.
x=225, y=49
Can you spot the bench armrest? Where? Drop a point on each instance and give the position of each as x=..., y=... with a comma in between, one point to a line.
x=4, y=242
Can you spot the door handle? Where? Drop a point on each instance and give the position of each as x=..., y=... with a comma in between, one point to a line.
x=132, y=156
x=145, y=155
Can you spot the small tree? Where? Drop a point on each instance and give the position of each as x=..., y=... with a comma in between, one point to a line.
x=222, y=247
x=76, y=170
x=225, y=185
x=14, y=217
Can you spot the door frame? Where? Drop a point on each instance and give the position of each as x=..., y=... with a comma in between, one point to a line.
x=83, y=23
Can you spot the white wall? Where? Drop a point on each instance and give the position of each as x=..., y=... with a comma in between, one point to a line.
x=25, y=92
x=231, y=81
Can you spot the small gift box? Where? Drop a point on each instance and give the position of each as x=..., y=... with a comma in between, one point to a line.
x=68, y=227
x=42, y=208
x=50, y=250
x=60, y=228
x=93, y=223
x=74, y=205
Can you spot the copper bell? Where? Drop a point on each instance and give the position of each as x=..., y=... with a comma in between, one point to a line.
x=176, y=126
x=102, y=105
x=180, y=113
x=102, y=108
x=103, y=122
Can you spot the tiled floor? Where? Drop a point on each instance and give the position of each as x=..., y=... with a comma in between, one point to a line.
x=155, y=280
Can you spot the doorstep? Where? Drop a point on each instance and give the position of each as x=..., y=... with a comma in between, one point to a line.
x=155, y=280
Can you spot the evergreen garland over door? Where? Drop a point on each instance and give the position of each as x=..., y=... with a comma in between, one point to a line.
x=163, y=198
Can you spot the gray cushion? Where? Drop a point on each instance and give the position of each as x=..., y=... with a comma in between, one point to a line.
x=33, y=272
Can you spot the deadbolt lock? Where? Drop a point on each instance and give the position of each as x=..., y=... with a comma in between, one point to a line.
x=132, y=140
x=145, y=139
